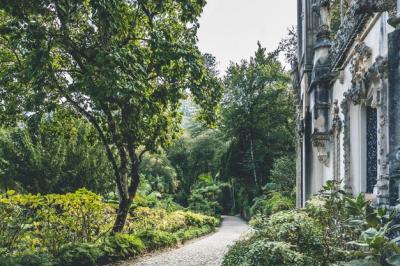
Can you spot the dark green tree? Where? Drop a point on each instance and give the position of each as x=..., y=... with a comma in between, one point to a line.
x=159, y=173
x=257, y=110
x=194, y=156
x=58, y=154
x=123, y=65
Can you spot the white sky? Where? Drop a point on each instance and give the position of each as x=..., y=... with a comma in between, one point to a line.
x=230, y=29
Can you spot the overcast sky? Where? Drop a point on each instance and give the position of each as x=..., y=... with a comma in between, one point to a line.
x=230, y=29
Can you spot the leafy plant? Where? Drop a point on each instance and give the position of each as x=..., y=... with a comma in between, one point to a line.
x=53, y=153
x=38, y=259
x=51, y=221
x=154, y=239
x=271, y=204
x=79, y=255
x=253, y=252
x=122, y=245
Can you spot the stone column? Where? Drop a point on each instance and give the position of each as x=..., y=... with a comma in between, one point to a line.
x=320, y=86
x=394, y=108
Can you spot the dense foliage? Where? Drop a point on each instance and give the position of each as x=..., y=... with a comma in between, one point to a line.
x=59, y=153
x=257, y=112
x=73, y=229
x=122, y=65
x=334, y=229
x=94, y=95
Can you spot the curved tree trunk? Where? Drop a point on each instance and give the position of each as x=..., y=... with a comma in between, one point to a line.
x=129, y=187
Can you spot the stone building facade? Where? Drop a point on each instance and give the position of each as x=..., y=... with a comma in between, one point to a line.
x=348, y=84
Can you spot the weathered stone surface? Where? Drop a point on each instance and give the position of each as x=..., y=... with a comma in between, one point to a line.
x=394, y=113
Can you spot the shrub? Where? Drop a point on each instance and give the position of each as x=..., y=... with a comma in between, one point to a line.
x=264, y=252
x=72, y=227
x=48, y=222
x=122, y=246
x=237, y=253
x=173, y=222
x=275, y=203
x=297, y=229
x=196, y=219
x=40, y=259
x=194, y=232
x=204, y=196
x=144, y=218
x=316, y=207
x=14, y=223
x=261, y=251
x=71, y=218
x=79, y=255
x=154, y=239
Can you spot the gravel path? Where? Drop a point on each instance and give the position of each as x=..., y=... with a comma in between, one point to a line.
x=207, y=251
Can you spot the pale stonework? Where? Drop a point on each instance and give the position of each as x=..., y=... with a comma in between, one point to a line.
x=348, y=117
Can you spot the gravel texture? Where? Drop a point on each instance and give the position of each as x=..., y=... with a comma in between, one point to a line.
x=208, y=251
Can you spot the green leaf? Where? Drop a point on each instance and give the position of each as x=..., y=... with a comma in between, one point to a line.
x=394, y=260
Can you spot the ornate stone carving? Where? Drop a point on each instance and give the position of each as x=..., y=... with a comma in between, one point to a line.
x=368, y=6
x=336, y=129
x=357, y=16
x=377, y=72
x=321, y=141
x=344, y=105
x=359, y=65
x=353, y=23
x=336, y=121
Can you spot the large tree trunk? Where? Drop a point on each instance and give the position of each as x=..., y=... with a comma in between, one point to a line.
x=122, y=214
x=129, y=189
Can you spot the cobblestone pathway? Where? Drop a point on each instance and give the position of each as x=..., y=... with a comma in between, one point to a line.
x=208, y=251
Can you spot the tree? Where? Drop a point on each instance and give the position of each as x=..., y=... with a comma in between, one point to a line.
x=195, y=156
x=158, y=171
x=57, y=154
x=258, y=120
x=123, y=65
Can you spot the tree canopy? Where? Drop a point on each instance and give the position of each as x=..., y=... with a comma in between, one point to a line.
x=123, y=65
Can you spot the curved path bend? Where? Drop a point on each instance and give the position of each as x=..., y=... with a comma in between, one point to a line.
x=208, y=251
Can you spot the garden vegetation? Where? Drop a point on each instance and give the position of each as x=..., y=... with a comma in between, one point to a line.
x=74, y=229
x=333, y=229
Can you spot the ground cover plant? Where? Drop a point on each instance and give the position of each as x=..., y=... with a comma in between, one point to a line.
x=76, y=229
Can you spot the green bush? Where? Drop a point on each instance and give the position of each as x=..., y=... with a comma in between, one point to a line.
x=40, y=259
x=297, y=229
x=73, y=228
x=155, y=239
x=196, y=219
x=46, y=223
x=273, y=204
x=236, y=254
x=79, y=255
x=194, y=232
x=122, y=246
x=260, y=251
x=303, y=233
x=14, y=224
x=283, y=174
x=264, y=252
